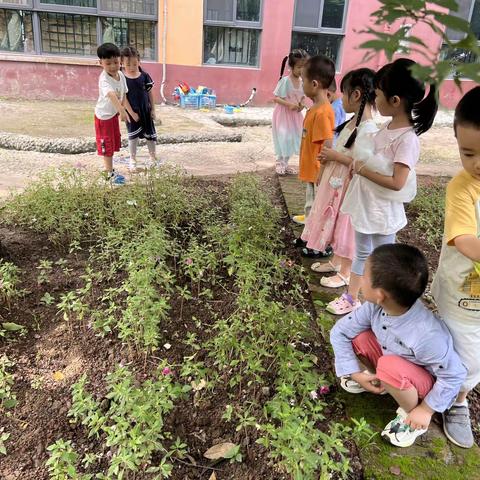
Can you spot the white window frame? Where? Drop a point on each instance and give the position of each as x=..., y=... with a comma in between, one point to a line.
x=238, y=24
x=37, y=7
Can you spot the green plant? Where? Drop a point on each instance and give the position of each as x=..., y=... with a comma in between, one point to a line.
x=8, y=398
x=45, y=269
x=62, y=462
x=428, y=210
x=4, y=436
x=9, y=280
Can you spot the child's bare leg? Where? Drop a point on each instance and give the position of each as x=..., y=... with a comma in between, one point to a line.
x=355, y=285
x=108, y=163
x=152, y=149
x=406, y=399
x=344, y=264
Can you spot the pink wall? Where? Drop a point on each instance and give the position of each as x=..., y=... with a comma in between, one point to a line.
x=232, y=85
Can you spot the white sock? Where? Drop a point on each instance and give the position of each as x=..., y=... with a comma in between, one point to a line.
x=461, y=404
x=132, y=146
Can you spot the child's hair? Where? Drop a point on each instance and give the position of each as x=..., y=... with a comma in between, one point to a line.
x=107, y=50
x=333, y=86
x=467, y=112
x=401, y=270
x=129, y=52
x=396, y=78
x=360, y=79
x=293, y=57
x=321, y=69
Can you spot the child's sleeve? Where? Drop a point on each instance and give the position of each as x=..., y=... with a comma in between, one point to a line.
x=282, y=88
x=460, y=217
x=149, y=83
x=407, y=151
x=323, y=126
x=342, y=335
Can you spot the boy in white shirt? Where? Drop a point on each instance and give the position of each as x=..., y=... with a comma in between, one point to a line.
x=112, y=102
x=456, y=286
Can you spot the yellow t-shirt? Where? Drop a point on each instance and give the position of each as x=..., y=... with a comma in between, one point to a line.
x=456, y=286
x=318, y=126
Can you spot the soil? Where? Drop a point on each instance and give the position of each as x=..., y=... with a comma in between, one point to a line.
x=51, y=345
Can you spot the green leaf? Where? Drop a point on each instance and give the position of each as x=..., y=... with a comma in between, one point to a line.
x=450, y=4
x=12, y=327
x=453, y=22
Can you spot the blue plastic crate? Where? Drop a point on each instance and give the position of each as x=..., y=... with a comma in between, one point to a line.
x=189, y=101
x=208, y=101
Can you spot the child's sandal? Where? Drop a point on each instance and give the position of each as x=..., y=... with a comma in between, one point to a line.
x=330, y=282
x=343, y=305
x=325, y=267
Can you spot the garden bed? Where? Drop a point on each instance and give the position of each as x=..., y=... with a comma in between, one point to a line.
x=177, y=312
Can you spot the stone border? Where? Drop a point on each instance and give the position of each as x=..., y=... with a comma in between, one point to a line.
x=10, y=141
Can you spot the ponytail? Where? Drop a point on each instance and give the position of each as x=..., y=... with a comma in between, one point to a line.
x=284, y=64
x=351, y=139
x=423, y=113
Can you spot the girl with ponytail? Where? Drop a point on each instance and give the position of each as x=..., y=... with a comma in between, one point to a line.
x=287, y=122
x=326, y=225
x=384, y=172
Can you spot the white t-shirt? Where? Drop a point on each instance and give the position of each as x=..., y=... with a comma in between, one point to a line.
x=104, y=110
x=378, y=210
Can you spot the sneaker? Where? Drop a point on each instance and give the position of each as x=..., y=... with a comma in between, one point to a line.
x=399, y=433
x=343, y=305
x=309, y=253
x=117, y=179
x=132, y=164
x=457, y=426
x=350, y=386
x=299, y=219
x=280, y=169
x=299, y=243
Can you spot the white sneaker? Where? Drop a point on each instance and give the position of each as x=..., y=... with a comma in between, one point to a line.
x=399, y=433
x=351, y=386
x=132, y=164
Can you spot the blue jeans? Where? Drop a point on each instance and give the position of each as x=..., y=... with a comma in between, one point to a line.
x=365, y=244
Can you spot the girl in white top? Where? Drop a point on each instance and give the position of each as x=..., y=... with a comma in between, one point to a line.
x=385, y=169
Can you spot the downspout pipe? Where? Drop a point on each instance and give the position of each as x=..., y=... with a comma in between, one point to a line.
x=164, y=53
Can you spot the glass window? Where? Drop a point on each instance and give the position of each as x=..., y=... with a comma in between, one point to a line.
x=219, y=10
x=333, y=13
x=127, y=32
x=307, y=13
x=225, y=45
x=72, y=3
x=475, y=20
x=16, y=2
x=248, y=10
x=464, y=7
x=138, y=7
x=16, y=31
x=70, y=34
x=458, y=55
x=318, y=43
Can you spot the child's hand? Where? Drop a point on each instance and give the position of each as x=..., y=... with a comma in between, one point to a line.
x=368, y=381
x=294, y=107
x=327, y=155
x=358, y=165
x=135, y=117
x=419, y=418
x=124, y=116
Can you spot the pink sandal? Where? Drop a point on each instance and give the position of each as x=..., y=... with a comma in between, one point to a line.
x=343, y=305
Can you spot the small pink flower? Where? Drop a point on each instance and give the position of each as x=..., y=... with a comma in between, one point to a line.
x=283, y=263
x=189, y=261
x=290, y=263
x=324, y=389
x=166, y=371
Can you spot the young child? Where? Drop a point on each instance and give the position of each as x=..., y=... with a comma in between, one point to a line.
x=318, y=126
x=456, y=286
x=326, y=224
x=112, y=103
x=394, y=335
x=287, y=118
x=385, y=173
x=337, y=106
x=140, y=98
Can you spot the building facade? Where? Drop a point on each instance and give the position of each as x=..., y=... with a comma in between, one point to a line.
x=47, y=47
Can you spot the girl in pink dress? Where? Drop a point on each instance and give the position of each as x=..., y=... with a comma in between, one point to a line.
x=326, y=225
x=287, y=121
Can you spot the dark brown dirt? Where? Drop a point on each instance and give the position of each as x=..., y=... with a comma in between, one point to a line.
x=51, y=345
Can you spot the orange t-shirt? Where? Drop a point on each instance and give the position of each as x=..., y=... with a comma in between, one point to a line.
x=318, y=126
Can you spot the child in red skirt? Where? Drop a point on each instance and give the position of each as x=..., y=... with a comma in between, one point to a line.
x=112, y=102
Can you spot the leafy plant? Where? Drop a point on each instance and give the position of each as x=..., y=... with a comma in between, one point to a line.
x=8, y=398
x=4, y=436
x=9, y=280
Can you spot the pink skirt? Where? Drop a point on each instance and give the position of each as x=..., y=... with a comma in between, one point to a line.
x=326, y=225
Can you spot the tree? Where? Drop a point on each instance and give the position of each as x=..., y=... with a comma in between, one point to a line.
x=437, y=15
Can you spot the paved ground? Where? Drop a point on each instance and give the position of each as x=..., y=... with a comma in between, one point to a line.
x=255, y=152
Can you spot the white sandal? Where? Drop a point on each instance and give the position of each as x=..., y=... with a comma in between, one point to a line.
x=329, y=282
x=324, y=267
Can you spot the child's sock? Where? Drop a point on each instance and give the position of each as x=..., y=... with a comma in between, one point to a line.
x=152, y=146
x=132, y=146
x=461, y=404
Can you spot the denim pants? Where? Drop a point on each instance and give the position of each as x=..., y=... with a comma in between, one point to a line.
x=365, y=244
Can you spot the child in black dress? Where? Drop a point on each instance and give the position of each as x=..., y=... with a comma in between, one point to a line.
x=140, y=97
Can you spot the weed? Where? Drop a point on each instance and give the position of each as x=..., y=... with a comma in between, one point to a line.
x=8, y=398
x=9, y=280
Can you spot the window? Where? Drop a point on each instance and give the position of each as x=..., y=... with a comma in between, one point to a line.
x=76, y=27
x=231, y=33
x=468, y=10
x=318, y=26
x=16, y=31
